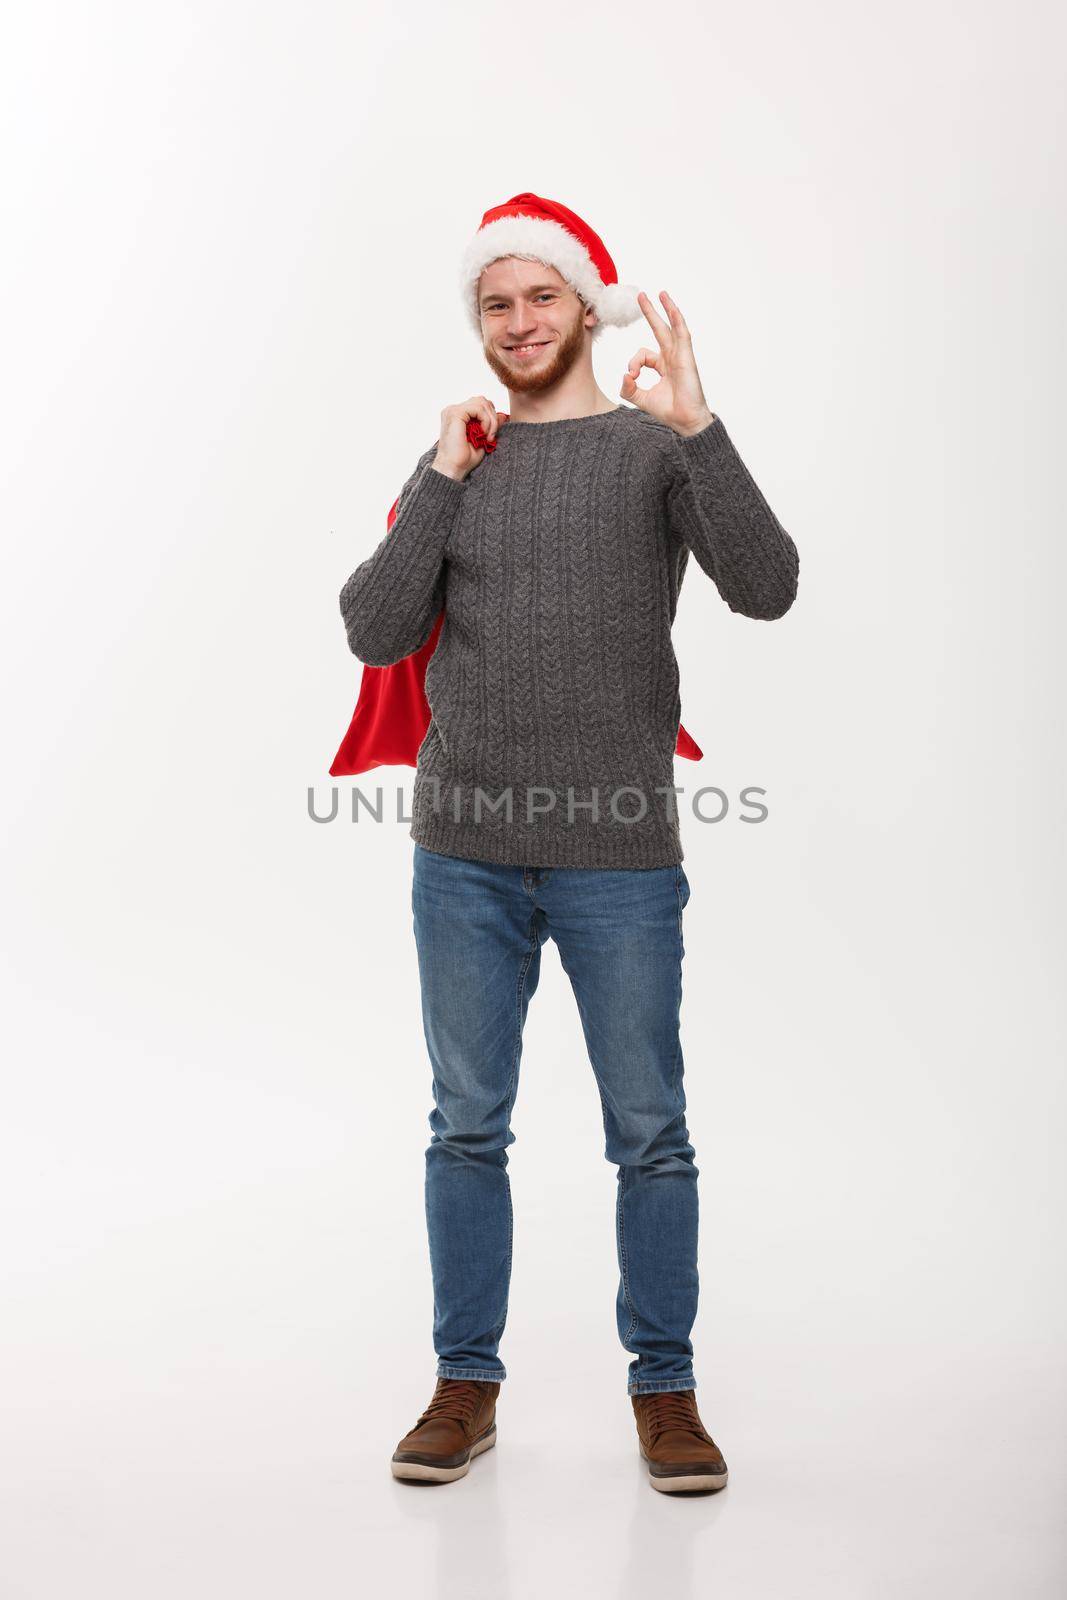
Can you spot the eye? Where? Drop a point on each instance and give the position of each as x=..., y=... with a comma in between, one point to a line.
x=496, y=304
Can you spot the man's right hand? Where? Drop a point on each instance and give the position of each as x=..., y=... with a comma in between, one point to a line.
x=456, y=457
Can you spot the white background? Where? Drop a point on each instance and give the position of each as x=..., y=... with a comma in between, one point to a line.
x=231, y=323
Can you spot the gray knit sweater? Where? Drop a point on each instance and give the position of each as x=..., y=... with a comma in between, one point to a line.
x=554, y=687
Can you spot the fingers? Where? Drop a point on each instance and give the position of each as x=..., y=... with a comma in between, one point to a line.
x=630, y=391
x=641, y=358
x=481, y=409
x=645, y=358
x=660, y=328
x=486, y=415
x=477, y=406
x=678, y=322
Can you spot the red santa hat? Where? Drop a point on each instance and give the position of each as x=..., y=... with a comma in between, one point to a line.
x=536, y=229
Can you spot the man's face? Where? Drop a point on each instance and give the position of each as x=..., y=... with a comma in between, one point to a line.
x=529, y=303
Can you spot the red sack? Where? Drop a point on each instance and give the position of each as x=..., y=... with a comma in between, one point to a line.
x=392, y=712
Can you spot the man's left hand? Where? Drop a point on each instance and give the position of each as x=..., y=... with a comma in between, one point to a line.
x=677, y=399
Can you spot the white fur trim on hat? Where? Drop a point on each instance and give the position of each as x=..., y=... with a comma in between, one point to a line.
x=541, y=239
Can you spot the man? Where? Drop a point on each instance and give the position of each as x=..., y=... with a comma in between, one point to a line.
x=544, y=807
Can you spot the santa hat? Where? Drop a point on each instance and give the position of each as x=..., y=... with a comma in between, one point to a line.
x=542, y=230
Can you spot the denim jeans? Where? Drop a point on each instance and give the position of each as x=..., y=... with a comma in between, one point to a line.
x=479, y=927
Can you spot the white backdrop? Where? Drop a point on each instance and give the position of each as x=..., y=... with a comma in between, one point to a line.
x=231, y=323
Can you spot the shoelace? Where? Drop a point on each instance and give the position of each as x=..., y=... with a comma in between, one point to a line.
x=675, y=1408
x=457, y=1398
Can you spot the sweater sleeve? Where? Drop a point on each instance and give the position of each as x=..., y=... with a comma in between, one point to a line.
x=392, y=600
x=717, y=510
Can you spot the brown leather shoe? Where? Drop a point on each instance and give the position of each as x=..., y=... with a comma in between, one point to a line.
x=457, y=1425
x=680, y=1452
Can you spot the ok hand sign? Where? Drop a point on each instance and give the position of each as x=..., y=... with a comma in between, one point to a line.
x=677, y=399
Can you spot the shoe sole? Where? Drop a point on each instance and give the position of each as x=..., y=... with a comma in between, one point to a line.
x=679, y=1483
x=424, y=1472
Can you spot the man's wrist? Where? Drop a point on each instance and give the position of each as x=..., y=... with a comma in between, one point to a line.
x=447, y=472
x=696, y=427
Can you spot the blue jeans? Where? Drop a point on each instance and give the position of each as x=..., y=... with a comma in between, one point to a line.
x=479, y=927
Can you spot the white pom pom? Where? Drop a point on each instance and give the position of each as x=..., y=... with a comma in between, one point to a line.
x=618, y=305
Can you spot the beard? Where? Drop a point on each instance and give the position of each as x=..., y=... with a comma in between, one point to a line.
x=554, y=362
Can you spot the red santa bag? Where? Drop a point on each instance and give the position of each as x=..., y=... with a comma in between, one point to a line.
x=392, y=712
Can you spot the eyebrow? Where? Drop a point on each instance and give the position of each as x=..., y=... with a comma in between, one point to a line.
x=536, y=288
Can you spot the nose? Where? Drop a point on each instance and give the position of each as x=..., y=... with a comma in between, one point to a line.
x=522, y=322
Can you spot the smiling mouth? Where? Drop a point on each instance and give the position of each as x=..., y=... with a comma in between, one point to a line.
x=524, y=349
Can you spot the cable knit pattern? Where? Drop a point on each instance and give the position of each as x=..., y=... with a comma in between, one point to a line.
x=559, y=562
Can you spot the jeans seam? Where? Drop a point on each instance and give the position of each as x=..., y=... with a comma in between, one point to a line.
x=666, y=1386
x=677, y=1072
x=449, y=1369
x=624, y=1260
x=498, y=1328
